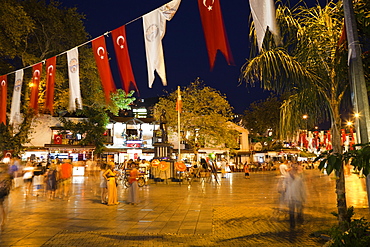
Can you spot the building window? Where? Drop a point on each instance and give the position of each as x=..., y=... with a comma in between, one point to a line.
x=140, y=113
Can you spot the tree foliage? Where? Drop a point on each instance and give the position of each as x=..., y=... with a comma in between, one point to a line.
x=310, y=65
x=12, y=137
x=34, y=30
x=263, y=116
x=204, y=118
x=95, y=119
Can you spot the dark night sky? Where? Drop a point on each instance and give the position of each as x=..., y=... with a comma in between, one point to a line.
x=184, y=46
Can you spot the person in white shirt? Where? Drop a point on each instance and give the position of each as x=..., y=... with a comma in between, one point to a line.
x=284, y=168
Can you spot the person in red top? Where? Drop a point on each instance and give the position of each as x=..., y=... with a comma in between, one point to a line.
x=65, y=175
x=133, y=193
x=246, y=170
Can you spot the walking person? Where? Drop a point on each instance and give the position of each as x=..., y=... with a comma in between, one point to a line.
x=283, y=168
x=246, y=170
x=27, y=178
x=295, y=195
x=65, y=174
x=223, y=168
x=110, y=176
x=103, y=184
x=51, y=178
x=133, y=193
x=5, y=185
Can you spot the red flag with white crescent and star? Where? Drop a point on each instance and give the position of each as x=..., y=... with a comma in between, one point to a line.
x=3, y=98
x=50, y=79
x=123, y=58
x=36, y=76
x=214, y=31
x=58, y=139
x=101, y=58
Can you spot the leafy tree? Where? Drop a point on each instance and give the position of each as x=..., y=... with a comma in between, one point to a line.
x=14, y=142
x=204, y=118
x=311, y=65
x=31, y=31
x=95, y=118
x=263, y=116
x=34, y=30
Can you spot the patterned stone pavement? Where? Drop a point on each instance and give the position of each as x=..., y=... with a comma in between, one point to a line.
x=234, y=212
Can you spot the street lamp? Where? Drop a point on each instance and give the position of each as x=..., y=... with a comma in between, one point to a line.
x=305, y=117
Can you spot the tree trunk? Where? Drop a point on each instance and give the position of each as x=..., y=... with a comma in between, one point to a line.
x=341, y=196
x=340, y=182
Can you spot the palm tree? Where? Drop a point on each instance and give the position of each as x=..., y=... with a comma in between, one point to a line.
x=310, y=65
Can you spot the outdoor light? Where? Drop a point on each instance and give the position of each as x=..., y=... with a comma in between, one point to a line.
x=357, y=115
x=349, y=123
x=305, y=116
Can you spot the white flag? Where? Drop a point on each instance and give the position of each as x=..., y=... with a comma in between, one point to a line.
x=263, y=13
x=15, y=113
x=154, y=24
x=75, y=100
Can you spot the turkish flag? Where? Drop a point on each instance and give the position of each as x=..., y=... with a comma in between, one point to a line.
x=329, y=147
x=352, y=138
x=50, y=79
x=214, y=30
x=36, y=76
x=58, y=139
x=344, y=136
x=123, y=58
x=101, y=58
x=3, y=98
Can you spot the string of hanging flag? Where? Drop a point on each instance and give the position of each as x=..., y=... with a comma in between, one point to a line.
x=154, y=26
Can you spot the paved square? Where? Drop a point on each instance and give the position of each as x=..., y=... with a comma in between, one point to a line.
x=236, y=212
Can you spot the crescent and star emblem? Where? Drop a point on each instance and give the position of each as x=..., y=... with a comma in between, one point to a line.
x=58, y=139
x=3, y=83
x=36, y=74
x=50, y=70
x=120, y=44
x=210, y=6
x=102, y=50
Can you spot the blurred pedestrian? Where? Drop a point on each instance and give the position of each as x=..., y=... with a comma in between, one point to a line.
x=65, y=175
x=14, y=167
x=246, y=170
x=284, y=168
x=51, y=178
x=38, y=178
x=110, y=176
x=5, y=185
x=28, y=177
x=90, y=170
x=103, y=184
x=133, y=193
x=295, y=195
x=223, y=168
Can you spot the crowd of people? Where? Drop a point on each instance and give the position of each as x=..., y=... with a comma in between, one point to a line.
x=53, y=180
x=41, y=177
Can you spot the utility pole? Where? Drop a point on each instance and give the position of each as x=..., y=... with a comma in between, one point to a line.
x=357, y=79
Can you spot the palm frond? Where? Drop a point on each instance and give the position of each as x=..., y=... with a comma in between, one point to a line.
x=276, y=70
